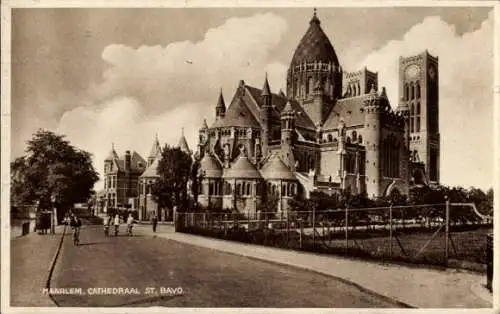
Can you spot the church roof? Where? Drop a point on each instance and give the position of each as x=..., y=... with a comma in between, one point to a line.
x=238, y=114
x=210, y=166
x=315, y=46
x=302, y=120
x=349, y=109
x=152, y=170
x=276, y=169
x=242, y=168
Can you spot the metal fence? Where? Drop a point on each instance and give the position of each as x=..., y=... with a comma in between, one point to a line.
x=428, y=234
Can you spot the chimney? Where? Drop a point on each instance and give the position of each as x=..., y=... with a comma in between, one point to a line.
x=127, y=160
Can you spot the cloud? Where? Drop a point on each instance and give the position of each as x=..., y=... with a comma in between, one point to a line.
x=162, y=89
x=466, y=98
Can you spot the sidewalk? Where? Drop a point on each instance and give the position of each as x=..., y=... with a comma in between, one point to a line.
x=30, y=262
x=417, y=287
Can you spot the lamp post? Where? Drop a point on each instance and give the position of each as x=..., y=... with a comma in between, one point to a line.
x=53, y=199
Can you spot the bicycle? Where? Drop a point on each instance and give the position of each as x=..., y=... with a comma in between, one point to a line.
x=76, y=236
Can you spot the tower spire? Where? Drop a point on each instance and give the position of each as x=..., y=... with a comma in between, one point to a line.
x=315, y=19
x=220, y=109
x=266, y=90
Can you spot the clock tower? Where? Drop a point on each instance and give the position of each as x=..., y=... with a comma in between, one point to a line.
x=419, y=89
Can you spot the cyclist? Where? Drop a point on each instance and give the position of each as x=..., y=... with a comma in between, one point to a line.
x=130, y=222
x=76, y=223
x=106, y=222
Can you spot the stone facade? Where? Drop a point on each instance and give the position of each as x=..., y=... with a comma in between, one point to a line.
x=332, y=131
x=121, y=177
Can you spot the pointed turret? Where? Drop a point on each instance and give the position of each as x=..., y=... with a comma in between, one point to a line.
x=112, y=154
x=183, y=143
x=204, y=125
x=266, y=91
x=220, y=109
x=265, y=115
x=155, y=151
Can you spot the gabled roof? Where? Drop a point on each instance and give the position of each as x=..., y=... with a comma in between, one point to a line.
x=276, y=169
x=152, y=170
x=137, y=163
x=210, y=166
x=302, y=119
x=349, y=109
x=242, y=168
x=112, y=155
x=238, y=114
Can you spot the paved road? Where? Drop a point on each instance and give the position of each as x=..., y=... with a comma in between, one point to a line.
x=208, y=278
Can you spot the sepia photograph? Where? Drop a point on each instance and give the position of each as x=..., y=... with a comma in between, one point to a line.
x=310, y=156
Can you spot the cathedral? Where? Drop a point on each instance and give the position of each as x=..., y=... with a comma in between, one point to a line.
x=332, y=131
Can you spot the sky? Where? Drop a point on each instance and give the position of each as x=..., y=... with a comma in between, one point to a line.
x=103, y=76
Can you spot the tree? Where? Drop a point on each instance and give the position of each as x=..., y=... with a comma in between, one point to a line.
x=196, y=178
x=51, y=168
x=175, y=170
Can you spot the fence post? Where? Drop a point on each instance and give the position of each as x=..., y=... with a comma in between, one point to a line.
x=447, y=230
x=287, y=228
x=314, y=226
x=346, y=227
x=390, y=230
x=301, y=230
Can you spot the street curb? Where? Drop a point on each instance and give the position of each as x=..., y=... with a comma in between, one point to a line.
x=345, y=281
x=480, y=290
x=53, y=265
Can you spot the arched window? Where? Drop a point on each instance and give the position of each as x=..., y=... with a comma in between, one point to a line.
x=360, y=139
x=330, y=138
x=418, y=90
x=417, y=118
x=412, y=114
x=283, y=190
x=354, y=136
x=238, y=188
x=412, y=91
x=348, y=140
x=407, y=92
x=309, y=86
x=249, y=189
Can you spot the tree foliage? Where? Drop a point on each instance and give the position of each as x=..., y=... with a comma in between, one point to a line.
x=175, y=171
x=52, y=167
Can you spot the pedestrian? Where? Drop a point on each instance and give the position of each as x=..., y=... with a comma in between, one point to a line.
x=154, y=222
x=117, y=223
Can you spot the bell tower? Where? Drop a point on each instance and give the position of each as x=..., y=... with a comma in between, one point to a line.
x=419, y=89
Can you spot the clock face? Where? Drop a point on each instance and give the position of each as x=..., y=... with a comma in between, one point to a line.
x=412, y=71
x=432, y=73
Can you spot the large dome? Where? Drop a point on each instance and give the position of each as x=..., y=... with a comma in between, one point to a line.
x=314, y=46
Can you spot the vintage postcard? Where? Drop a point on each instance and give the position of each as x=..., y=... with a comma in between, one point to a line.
x=254, y=157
